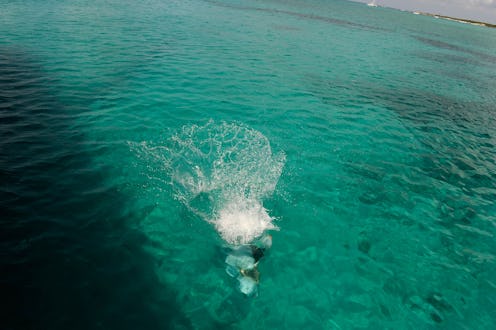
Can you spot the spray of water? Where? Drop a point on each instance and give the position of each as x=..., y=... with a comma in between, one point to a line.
x=223, y=172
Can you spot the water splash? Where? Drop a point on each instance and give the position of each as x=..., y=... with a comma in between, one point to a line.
x=223, y=172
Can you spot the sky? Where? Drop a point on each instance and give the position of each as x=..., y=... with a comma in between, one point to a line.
x=480, y=10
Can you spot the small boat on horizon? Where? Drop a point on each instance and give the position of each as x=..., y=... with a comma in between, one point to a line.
x=372, y=4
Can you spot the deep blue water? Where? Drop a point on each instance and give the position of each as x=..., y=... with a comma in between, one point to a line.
x=142, y=142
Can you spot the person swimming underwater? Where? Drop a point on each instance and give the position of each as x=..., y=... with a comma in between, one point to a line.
x=242, y=263
x=252, y=272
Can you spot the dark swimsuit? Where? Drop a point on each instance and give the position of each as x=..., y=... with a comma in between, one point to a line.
x=257, y=252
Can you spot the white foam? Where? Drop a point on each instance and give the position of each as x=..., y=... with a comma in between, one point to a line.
x=222, y=172
x=241, y=221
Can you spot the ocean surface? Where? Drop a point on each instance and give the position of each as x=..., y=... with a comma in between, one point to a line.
x=142, y=142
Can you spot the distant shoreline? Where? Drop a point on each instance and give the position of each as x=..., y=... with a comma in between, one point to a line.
x=461, y=20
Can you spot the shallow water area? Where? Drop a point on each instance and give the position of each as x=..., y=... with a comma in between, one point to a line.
x=141, y=141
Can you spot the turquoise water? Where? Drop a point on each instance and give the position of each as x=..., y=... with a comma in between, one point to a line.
x=141, y=140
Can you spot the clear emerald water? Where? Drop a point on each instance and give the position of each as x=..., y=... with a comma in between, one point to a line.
x=138, y=138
